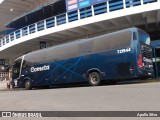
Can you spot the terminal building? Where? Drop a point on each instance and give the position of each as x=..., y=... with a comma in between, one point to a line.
x=28, y=25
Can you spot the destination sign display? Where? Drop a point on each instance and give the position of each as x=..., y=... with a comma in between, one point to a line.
x=78, y=4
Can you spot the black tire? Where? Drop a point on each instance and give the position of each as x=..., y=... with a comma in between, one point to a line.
x=28, y=85
x=94, y=79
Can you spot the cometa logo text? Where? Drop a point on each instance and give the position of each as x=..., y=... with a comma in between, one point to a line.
x=39, y=69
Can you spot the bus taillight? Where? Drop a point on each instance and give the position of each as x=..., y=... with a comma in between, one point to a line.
x=140, y=61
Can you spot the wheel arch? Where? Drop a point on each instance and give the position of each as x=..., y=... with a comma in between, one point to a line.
x=26, y=78
x=93, y=70
x=27, y=83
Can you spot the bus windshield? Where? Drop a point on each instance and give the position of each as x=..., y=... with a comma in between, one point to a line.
x=144, y=37
x=16, y=68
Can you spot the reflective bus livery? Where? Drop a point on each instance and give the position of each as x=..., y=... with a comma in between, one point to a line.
x=124, y=54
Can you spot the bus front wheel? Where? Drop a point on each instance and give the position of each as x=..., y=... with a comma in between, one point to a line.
x=94, y=79
x=28, y=85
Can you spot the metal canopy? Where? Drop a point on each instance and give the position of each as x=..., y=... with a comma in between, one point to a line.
x=11, y=9
x=47, y=11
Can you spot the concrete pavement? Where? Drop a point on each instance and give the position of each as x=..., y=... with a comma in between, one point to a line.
x=121, y=97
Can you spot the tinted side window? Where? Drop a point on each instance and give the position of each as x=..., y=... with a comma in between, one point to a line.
x=102, y=44
x=113, y=41
x=121, y=40
x=39, y=57
x=52, y=54
x=28, y=61
x=85, y=47
x=62, y=52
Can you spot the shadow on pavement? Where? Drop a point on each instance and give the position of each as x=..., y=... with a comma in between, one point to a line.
x=86, y=85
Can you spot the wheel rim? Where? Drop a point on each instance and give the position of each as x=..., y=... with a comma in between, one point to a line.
x=94, y=79
x=27, y=84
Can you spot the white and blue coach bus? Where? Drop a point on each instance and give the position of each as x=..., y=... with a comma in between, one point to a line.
x=125, y=54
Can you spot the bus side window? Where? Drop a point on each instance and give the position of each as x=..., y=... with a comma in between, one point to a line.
x=134, y=36
x=102, y=44
x=121, y=40
x=85, y=48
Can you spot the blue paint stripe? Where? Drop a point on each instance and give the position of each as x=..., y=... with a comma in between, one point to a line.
x=72, y=72
x=57, y=65
x=68, y=69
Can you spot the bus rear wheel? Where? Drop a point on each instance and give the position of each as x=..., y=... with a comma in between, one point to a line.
x=94, y=79
x=28, y=85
